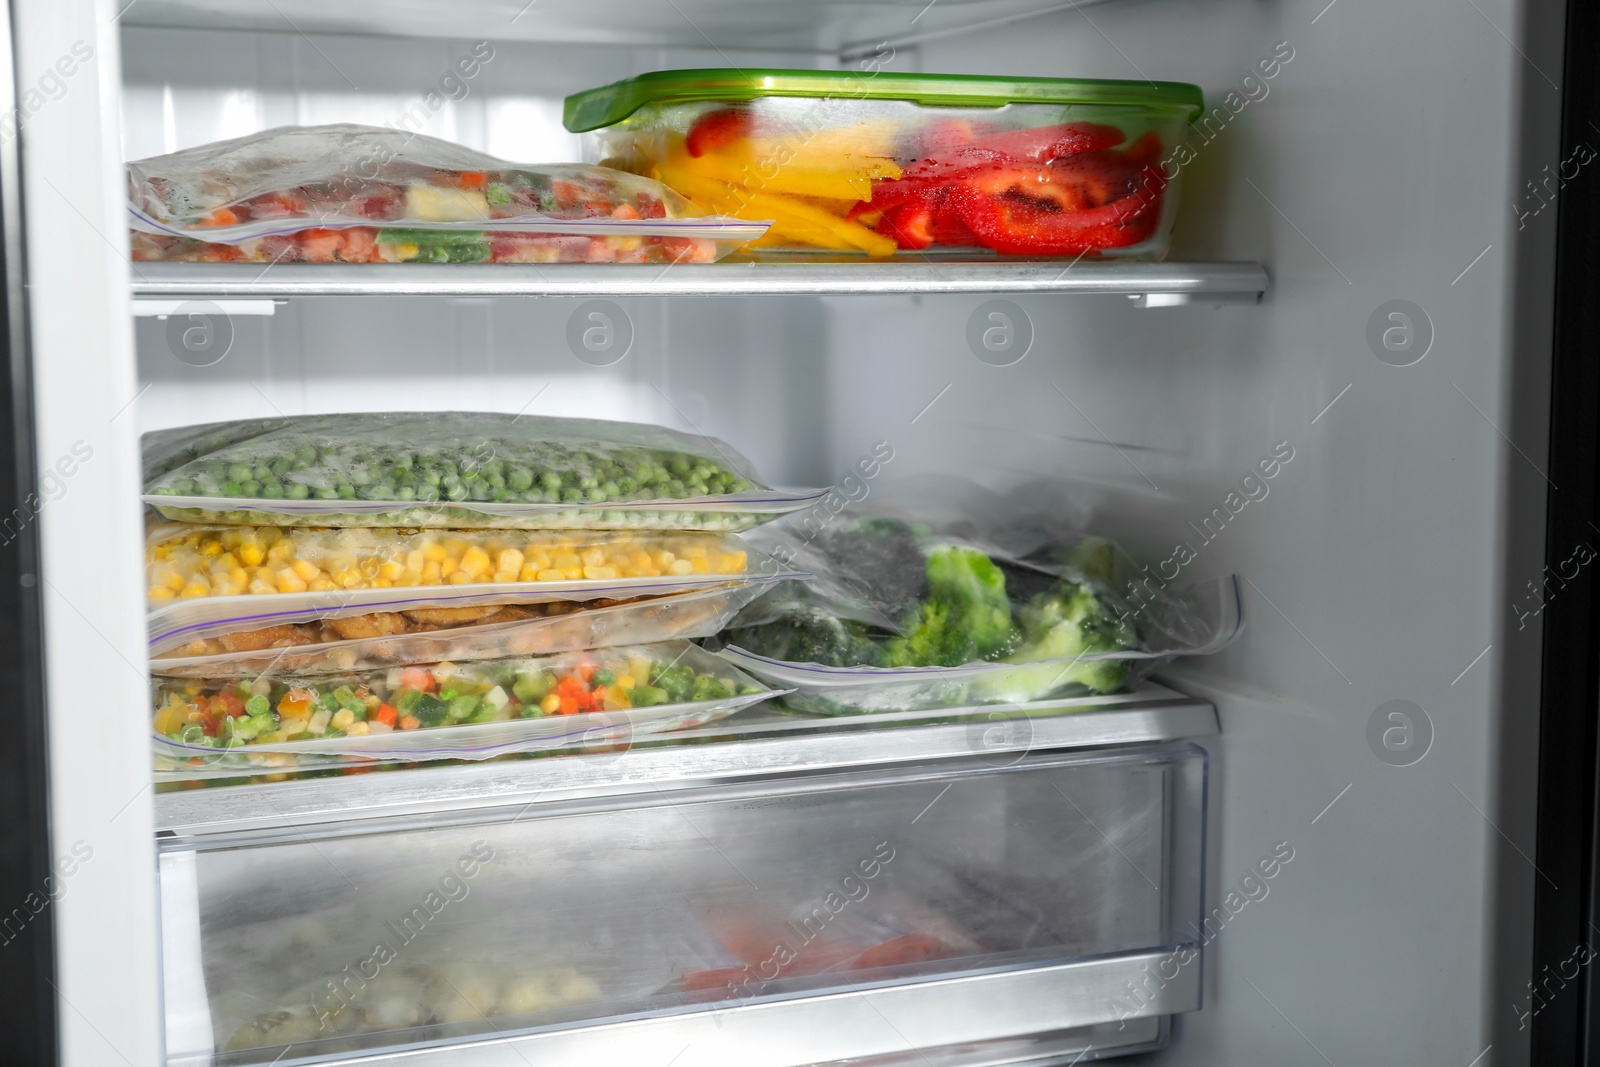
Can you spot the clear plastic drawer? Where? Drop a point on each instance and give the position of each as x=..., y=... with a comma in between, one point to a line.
x=779, y=922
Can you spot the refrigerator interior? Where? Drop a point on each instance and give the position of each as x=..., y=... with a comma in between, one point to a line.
x=1376, y=164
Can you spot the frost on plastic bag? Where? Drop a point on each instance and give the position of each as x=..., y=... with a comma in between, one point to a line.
x=457, y=469
x=430, y=635
x=902, y=618
x=347, y=193
x=451, y=711
x=164, y=450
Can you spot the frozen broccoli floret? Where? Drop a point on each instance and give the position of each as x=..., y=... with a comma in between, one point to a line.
x=1066, y=623
x=811, y=636
x=1092, y=557
x=880, y=561
x=965, y=617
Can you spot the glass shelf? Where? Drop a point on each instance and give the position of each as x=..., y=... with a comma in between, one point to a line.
x=1150, y=284
x=847, y=28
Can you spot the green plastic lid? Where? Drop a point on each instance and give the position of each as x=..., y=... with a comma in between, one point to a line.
x=596, y=108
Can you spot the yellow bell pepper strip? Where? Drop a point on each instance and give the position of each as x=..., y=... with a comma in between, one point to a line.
x=806, y=223
x=784, y=155
x=822, y=149
x=770, y=178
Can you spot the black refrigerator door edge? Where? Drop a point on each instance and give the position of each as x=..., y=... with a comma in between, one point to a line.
x=1561, y=1005
x=28, y=883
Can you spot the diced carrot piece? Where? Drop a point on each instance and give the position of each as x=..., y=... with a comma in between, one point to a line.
x=409, y=722
x=386, y=715
x=320, y=246
x=284, y=203
x=569, y=705
x=419, y=678
x=220, y=217
x=296, y=702
x=360, y=245
x=472, y=179
x=567, y=194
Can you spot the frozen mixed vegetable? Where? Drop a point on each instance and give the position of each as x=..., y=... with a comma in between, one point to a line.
x=283, y=708
x=464, y=469
x=188, y=562
x=890, y=161
x=362, y=194
x=407, y=995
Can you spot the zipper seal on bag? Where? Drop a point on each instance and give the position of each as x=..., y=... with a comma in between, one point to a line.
x=715, y=226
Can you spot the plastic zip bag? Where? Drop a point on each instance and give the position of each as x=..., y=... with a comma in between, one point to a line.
x=199, y=561
x=572, y=627
x=452, y=711
x=364, y=194
x=1214, y=606
x=204, y=584
x=458, y=469
x=902, y=619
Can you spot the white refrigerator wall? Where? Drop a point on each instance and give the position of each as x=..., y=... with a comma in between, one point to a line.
x=1379, y=162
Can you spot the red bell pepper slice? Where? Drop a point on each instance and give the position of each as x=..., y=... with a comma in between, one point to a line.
x=928, y=219
x=912, y=223
x=891, y=193
x=718, y=129
x=1072, y=205
x=1044, y=143
x=1074, y=184
x=949, y=228
x=995, y=154
x=1147, y=149
x=1013, y=227
x=1038, y=145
